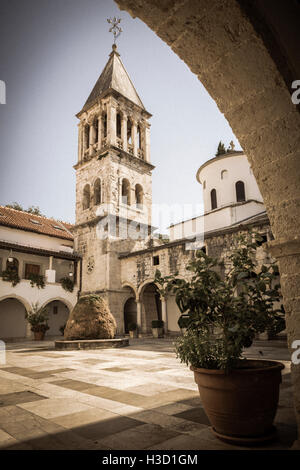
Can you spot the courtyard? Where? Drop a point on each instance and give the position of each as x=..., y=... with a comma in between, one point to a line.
x=138, y=397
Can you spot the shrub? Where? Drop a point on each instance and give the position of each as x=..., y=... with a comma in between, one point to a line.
x=67, y=284
x=11, y=275
x=183, y=321
x=226, y=314
x=36, y=280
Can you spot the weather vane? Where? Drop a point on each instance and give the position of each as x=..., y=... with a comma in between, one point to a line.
x=115, y=29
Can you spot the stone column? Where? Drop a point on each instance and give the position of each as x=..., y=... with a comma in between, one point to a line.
x=124, y=131
x=28, y=333
x=50, y=273
x=133, y=137
x=146, y=142
x=100, y=131
x=80, y=142
x=287, y=252
x=164, y=313
x=92, y=139
x=85, y=140
x=139, y=316
x=111, y=125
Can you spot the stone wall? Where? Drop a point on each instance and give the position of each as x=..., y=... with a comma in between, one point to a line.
x=138, y=269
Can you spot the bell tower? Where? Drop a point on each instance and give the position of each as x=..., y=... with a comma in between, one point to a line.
x=114, y=148
x=113, y=178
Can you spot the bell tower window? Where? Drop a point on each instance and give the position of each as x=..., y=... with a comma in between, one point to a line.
x=104, y=124
x=97, y=192
x=87, y=135
x=129, y=127
x=96, y=130
x=138, y=195
x=118, y=124
x=139, y=137
x=86, y=197
x=125, y=192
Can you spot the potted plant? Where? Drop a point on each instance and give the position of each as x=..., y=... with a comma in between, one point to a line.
x=38, y=318
x=36, y=280
x=67, y=284
x=239, y=396
x=11, y=275
x=183, y=323
x=157, y=328
x=132, y=328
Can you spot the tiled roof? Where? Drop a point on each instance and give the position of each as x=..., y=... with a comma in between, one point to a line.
x=34, y=223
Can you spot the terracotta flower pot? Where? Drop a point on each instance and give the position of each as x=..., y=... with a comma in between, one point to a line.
x=242, y=404
x=39, y=335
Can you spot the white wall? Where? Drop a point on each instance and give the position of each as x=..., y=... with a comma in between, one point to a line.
x=238, y=169
x=36, y=240
x=217, y=219
x=228, y=211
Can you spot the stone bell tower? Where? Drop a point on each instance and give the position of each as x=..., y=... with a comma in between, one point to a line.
x=113, y=180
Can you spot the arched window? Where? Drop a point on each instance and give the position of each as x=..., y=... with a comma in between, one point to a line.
x=240, y=191
x=12, y=264
x=104, y=124
x=87, y=135
x=129, y=126
x=97, y=191
x=118, y=124
x=96, y=130
x=213, y=199
x=138, y=195
x=139, y=137
x=86, y=197
x=224, y=174
x=125, y=192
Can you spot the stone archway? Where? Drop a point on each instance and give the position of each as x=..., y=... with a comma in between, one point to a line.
x=235, y=49
x=58, y=313
x=130, y=313
x=12, y=319
x=151, y=305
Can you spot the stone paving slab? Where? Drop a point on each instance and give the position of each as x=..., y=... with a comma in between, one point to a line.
x=139, y=397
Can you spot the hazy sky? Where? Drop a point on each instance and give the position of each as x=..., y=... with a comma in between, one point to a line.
x=52, y=52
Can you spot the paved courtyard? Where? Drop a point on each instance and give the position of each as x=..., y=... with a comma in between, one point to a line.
x=139, y=397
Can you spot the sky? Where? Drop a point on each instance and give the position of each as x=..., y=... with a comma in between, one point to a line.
x=51, y=55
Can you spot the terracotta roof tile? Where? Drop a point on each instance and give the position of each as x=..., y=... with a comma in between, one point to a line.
x=34, y=223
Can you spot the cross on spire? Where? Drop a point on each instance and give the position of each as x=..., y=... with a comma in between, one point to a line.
x=115, y=28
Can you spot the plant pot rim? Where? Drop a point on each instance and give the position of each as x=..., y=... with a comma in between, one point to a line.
x=254, y=366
